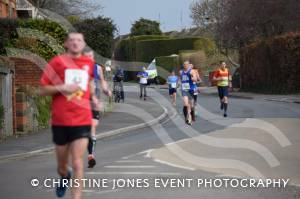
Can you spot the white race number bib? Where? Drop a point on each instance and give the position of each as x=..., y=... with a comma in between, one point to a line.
x=77, y=76
x=186, y=86
x=173, y=85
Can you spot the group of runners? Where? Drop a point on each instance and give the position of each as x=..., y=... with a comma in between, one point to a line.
x=74, y=81
x=189, y=78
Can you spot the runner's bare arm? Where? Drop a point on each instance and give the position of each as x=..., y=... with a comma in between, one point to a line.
x=194, y=76
x=104, y=84
x=50, y=90
x=215, y=78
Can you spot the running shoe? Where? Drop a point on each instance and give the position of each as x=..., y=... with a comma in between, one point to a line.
x=91, y=161
x=188, y=122
x=225, y=114
x=193, y=117
x=61, y=189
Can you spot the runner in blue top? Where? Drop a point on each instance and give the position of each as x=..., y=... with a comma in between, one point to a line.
x=99, y=80
x=173, y=82
x=188, y=77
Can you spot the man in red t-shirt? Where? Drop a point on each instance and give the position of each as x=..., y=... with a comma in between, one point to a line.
x=66, y=78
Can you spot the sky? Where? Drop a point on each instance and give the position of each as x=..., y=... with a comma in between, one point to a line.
x=173, y=14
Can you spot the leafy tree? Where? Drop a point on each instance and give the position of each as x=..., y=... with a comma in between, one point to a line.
x=99, y=34
x=145, y=27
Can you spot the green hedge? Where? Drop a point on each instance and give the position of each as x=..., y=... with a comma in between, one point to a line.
x=146, y=50
x=168, y=63
x=43, y=105
x=50, y=32
x=196, y=57
x=206, y=45
x=126, y=49
x=272, y=65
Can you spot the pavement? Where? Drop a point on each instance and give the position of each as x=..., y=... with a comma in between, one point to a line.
x=293, y=98
x=119, y=121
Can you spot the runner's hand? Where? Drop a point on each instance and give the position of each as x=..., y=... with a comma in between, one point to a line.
x=108, y=93
x=97, y=103
x=68, y=89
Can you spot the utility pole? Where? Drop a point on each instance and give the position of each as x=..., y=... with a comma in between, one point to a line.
x=181, y=19
x=159, y=17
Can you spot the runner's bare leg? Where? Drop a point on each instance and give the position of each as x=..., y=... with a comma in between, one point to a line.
x=62, y=154
x=77, y=150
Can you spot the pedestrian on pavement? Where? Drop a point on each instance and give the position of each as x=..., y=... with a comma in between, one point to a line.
x=118, y=81
x=143, y=76
x=223, y=78
x=173, y=84
x=66, y=78
x=99, y=81
x=188, y=77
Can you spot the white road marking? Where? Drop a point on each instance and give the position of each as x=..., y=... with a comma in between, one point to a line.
x=133, y=173
x=100, y=192
x=128, y=161
x=177, y=142
x=129, y=167
x=174, y=165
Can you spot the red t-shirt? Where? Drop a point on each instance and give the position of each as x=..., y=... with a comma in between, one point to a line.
x=74, y=110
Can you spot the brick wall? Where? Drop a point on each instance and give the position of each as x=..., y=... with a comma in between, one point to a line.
x=26, y=73
x=5, y=9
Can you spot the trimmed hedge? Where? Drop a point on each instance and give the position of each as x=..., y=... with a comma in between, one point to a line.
x=197, y=57
x=126, y=49
x=147, y=50
x=207, y=45
x=168, y=63
x=272, y=65
x=10, y=38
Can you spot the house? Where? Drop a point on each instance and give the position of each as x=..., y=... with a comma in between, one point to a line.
x=7, y=97
x=8, y=9
x=26, y=9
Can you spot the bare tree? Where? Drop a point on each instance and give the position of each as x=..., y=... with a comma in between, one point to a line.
x=246, y=20
x=236, y=23
x=81, y=8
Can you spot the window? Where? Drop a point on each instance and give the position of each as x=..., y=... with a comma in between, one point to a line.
x=1, y=9
x=11, y=12
x=7, y=10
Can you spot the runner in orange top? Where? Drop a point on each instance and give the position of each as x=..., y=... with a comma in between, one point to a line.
x=223, y=78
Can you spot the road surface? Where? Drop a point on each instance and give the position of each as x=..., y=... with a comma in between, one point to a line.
x=167, y=151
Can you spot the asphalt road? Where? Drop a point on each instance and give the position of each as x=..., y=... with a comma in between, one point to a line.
x=132, y=156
